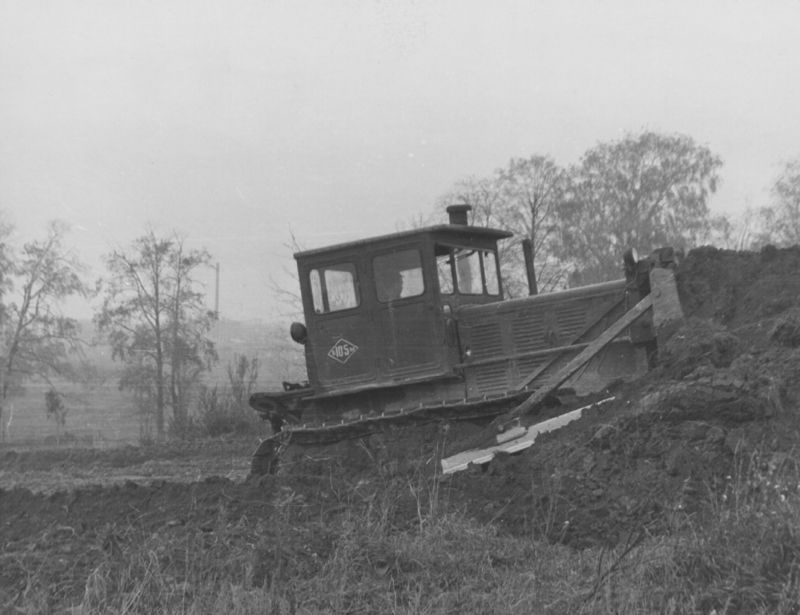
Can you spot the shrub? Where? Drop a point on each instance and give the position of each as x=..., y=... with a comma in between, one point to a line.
x=220, y=416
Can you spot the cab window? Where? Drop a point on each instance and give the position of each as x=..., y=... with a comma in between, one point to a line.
x=490, y=278
x=398, y=275
x=333, y=288
x=467, y=271
x=444, y=267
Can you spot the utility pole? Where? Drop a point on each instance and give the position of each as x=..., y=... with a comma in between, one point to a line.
x=216, y=292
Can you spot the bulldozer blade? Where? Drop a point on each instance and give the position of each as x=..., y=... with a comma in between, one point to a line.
x=667, y=310
x=509, y=445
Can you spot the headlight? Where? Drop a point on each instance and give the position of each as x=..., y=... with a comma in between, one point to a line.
x=298, y=332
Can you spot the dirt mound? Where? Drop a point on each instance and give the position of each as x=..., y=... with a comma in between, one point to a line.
x=698, y=342
x=786, y=330
x=657, y=452
x=726, y=386
x=739, y=288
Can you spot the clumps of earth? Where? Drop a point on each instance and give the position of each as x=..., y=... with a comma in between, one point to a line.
x=725, y=393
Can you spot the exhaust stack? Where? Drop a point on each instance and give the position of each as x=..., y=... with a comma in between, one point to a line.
x=458, y=213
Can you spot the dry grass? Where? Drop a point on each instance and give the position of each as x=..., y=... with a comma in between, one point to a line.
x=739, y=554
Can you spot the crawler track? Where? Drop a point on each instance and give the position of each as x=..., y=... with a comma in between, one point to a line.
x=479, y=411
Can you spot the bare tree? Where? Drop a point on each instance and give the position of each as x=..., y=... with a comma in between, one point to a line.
x=781, y=221
x=745, y=231
x=156, y=321
x=289, y=298
x=644, y=191
x=532, y=190
x=524, y=198
x=242, y=377
x=37, y=337
x=483, y=194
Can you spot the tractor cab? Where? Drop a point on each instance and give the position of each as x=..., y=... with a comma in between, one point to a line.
x=380, y=312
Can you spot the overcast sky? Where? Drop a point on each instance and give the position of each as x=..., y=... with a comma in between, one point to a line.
x=240, y=123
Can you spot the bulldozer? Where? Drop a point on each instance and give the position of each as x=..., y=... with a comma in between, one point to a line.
x=413, y=327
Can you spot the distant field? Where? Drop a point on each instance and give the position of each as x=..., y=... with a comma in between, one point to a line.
x=99, y=418
x=103, y=416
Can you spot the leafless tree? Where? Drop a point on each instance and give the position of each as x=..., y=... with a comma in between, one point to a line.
x=643, y=191
x=155, y=318
x=37, y=338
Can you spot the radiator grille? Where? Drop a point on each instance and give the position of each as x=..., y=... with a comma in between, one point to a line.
x=491, y=378
x=486, y=340
x=528, y=330
x=572, y=319
x=526, y=366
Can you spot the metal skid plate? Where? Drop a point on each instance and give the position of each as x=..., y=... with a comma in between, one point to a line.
x=507, y=443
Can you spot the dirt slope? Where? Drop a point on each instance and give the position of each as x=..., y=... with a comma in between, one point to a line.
x=725, y=387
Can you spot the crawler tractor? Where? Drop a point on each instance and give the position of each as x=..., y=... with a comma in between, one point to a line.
x=413, y=327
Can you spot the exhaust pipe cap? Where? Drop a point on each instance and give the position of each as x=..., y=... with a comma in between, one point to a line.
x=458, y=213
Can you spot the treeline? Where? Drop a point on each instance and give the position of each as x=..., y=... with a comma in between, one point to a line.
x=643, y=191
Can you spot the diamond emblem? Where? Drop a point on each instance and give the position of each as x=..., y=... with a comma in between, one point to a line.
x=342, y=350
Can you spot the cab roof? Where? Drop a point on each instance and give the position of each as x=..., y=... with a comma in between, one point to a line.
x=446, y=232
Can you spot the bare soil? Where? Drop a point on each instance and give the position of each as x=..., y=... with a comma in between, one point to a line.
x=726, y=386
